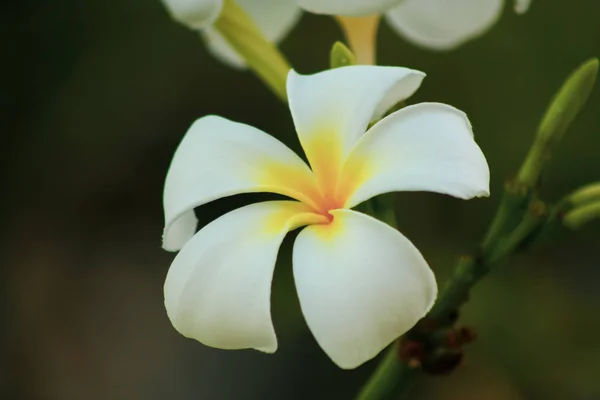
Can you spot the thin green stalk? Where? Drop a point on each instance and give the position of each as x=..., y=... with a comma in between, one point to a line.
x=260, y=54
x=390, y=377
x=564, y=107
x=393, y=376
x=514, y=201
x=468, y=271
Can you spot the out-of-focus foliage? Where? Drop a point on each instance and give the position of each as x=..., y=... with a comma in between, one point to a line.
x=96, y=96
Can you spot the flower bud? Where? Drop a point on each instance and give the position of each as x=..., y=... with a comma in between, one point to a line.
x=579, y=216
x=585, y=195
x=563, y=109
x=341, y=56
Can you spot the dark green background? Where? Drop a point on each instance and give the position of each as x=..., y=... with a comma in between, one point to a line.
x=96, y=96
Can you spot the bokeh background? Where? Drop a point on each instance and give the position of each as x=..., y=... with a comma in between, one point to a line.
x=96, y=96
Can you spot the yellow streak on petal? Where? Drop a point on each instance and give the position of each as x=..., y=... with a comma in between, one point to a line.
x=328, y=232
x=324, y=152
x=289, y=216
x=338, y=177
x=356, y=172
x=289, y=180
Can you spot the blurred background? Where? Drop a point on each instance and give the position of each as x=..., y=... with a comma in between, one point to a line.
x=97, y=95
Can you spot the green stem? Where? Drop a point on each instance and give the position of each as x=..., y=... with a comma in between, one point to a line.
x=389, y=378
x=260, y=54
x=514, y=222
x=561, y=112
x=392, y=376
x=468, y=271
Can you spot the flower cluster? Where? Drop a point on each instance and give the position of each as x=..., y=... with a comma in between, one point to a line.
x=433, y=24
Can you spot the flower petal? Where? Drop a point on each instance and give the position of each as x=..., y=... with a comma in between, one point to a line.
x=332, y=109
x=221, y=50
x=428, y=146
x=361, y=285
x=347, y=7
x=218, y=288
x=274, y=18
x=443, y=24
x=219, y=158
x=195, y=14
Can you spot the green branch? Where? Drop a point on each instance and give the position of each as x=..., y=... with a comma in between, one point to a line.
x=520, y=218
x=261, y=55
x=393, y=375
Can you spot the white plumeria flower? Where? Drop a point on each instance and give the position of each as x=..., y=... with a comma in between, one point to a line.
x=360, y=282
x=274, y=18
x=434, y=24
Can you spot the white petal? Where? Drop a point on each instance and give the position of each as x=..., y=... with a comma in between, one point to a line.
x=221, y=50
x=219, y=158
x=195, y=14
x=444, y=24
x=428, y=146
x=521, y=6
x=332, y=109
x=218, y=288
x=347, y=7
x=361, y=285
x=274, y=18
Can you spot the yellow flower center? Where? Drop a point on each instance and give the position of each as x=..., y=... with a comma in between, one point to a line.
x=327, y=186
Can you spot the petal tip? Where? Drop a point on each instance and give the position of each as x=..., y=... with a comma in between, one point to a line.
x=194, y=14
x=351, y=361
x=270, y=349
x=166, y=243
x=350, y=366
x=292, y=76
x=169, y=247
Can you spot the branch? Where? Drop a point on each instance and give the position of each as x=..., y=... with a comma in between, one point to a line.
x=434, y=345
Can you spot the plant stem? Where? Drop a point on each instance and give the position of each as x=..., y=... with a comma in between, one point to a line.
x=260, y=54
x=519, y=220
x=390, y=377
x=514, y=222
